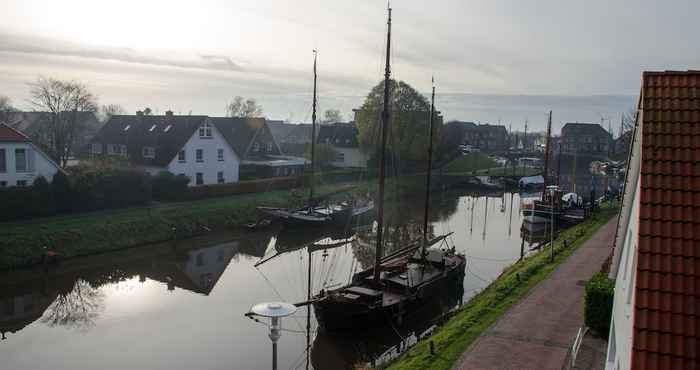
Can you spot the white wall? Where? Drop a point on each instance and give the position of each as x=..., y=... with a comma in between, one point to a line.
x=43, y=166
x=354, y=157
x=211, y=165
x=620, y=340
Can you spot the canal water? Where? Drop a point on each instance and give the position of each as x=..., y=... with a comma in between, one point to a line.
x=181, y=305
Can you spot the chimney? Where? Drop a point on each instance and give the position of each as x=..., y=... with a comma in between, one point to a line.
x=168, y=113
x=139, y=113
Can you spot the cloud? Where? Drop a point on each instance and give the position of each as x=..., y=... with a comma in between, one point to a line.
x=30, y=44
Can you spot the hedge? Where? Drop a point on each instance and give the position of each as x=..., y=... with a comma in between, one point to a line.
x=599, y=303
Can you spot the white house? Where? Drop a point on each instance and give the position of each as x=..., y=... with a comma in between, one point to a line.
x=656, y=261
x=343, y=138
x=21, y=162
x=208, y=150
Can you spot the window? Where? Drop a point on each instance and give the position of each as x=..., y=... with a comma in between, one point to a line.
x=3, y=184
x=220, y=155
x=199, y=180
x=256, y=146
x=205, y=130
x=3, y=162
x=24, y=160
x=220, y=177
x=127, y=127
x=96, y=148
x=167, y=128
x=21, y=183
x=149, y=152
x=200, y=155
x=152, y=128
x=340, y=157
x=122, y=150
x=269, y=147
x=181, y=156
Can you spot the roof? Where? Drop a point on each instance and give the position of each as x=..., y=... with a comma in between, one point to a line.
x=290, y=133
x=166, y=133
x=667, y=300
x=576, y=128
x=169, y=133
x=339, y=134
x=8, y=134
x=30, y=122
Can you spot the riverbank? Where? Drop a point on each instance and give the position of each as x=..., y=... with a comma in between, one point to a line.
x=484, y=309
x=24, y=243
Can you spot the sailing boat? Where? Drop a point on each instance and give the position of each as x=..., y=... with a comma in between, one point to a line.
x=548, y=208
x=313, y=213
x=403, y=281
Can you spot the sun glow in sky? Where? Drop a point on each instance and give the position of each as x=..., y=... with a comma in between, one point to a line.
x=204, y=52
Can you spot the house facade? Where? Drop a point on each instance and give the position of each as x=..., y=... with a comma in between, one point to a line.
x=208, y=150
x=21, y=162
x=655, y=261
x=343, y=137
x=589, y=139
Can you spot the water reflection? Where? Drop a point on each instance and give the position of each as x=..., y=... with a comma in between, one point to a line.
x=192, y=294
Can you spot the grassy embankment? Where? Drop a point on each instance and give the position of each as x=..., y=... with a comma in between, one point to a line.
x=486, y=307
x=481, y=164
x=23, y=242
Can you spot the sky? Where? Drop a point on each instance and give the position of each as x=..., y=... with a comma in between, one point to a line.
x=195, y=56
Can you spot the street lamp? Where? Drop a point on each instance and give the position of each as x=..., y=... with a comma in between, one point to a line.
x=275, y=311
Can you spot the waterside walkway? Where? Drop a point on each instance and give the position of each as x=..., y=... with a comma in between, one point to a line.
x=536, y=333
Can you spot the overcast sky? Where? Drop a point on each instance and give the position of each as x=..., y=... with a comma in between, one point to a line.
x=196, y=55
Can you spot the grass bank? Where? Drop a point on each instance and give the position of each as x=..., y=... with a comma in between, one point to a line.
x=22, y=242
x=484, y=309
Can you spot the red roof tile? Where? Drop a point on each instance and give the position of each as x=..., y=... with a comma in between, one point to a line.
x=667, y=300
x=8, y=134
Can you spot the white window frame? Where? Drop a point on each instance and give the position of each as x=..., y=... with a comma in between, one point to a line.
x=269, y=147
x=182, y=156
x=220, y=155
x=28, y=160
x=220, y=177
x=256, y=146
x=205, y=131
x=122, y=150
x=199, y=178
x=199, y=156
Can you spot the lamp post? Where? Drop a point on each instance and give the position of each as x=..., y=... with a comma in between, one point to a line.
x=275, y=311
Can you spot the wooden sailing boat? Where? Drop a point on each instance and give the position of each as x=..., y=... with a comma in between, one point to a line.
x=402, y=281
x=547, y=209
x=313, y=213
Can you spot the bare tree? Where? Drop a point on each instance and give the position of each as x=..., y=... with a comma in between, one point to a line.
x=110, y=110
x=240, y=108
x=147, y=111
x=332, y=116
x=63, y=100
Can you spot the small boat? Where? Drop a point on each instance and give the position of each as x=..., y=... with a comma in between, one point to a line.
x=403, y=281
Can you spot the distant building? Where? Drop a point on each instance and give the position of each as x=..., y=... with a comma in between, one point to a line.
x=485, y=137
x=344, y=139
x=589, y=139
x=656, y=258
x=293, y=139
x=208, y=150
x=21, y=162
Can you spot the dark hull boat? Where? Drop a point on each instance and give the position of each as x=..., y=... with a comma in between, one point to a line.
x=408, y=282
x=332, y=214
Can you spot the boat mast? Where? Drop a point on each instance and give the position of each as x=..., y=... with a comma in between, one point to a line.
x=546, y=154
x=313, y=138
x=430, y=170
x=382, y=161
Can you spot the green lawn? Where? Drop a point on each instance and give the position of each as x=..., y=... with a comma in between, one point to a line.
x=484, y=309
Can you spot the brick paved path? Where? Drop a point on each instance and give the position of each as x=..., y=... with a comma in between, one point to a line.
x=536, y=333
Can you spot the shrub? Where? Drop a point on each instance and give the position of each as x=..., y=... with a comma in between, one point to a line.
x=167, y=186
x=598, y=303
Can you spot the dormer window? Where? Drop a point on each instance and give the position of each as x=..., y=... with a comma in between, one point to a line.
x=152, y=128
x=167, y=128
x=205, y=130
x=127, y=127
x=269, y=147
